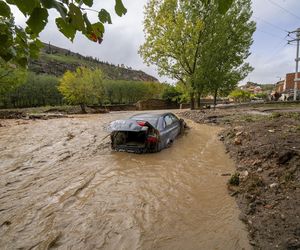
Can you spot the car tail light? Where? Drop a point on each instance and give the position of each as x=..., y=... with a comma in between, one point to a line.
x=141, y=123
x=152, y=139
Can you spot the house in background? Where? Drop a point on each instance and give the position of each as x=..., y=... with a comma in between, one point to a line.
x=279, y=86
x=252, y=87
x=287, y=86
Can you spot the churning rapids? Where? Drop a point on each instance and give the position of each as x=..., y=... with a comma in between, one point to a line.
x=62, y=187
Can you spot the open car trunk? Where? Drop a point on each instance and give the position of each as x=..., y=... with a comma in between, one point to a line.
x=134, y=136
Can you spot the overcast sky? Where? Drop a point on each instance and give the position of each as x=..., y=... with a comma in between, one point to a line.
x=271, y=57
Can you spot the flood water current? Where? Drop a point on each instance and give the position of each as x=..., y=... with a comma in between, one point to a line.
x=62, y=187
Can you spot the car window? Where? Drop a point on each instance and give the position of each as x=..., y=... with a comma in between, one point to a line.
x=174, y=118
x=168, y=120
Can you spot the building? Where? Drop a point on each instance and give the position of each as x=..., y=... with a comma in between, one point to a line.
x=252, y=88
x=279, y=86
x=287, y=85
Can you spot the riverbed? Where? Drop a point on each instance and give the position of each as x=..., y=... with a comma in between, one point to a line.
x=62, y=187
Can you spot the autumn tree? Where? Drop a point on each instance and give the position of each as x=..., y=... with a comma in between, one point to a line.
x=83, y=87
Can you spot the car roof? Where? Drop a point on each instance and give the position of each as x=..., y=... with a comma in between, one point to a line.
x=149, y=115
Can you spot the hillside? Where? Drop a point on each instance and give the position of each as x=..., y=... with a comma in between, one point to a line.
x=55, y=61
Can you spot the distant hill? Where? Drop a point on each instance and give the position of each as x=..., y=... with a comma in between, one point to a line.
x=56, y=61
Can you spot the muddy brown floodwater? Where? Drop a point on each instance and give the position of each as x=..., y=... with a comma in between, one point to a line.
x=62, y=187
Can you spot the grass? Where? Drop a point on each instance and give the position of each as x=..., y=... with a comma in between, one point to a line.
x=234, y=179
x=251, y=118
x=66, y=59
x=277, y=105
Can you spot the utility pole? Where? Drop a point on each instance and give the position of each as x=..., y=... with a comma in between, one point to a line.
x=297, y=75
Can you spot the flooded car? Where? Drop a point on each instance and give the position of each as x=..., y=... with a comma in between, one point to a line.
x=145, y=132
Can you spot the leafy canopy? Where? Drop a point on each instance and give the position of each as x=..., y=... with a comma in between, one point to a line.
x=193, y=42
x=84, y=86
x=11, y=77
x=239, y=95
x=20, y=44
x=225, y=47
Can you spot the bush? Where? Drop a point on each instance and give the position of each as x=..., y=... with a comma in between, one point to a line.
x=171, y=94
x=239, y=95
x=234, y=179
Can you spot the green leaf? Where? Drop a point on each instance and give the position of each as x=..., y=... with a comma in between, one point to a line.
x=104, y=16
x=48, y=3
x=23, y=61
x=9, y=54
x=4, y=9
x=67, y=29
x=61, y=9
x=87, y=24
x=98, y=29
x=88, y=2
x=76, y=17
x=34, y=48
x=57, y=5
x=119, y=8
x=224, y=5
x=26, y=7
x=38, y=20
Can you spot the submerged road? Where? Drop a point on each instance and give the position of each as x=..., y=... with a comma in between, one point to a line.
x=62, y=187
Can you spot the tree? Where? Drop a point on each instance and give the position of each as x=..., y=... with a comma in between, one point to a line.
x=239, y=95
x=11, y=77
x=19, y=44
x=173, y=39
x=37, y=90
x=83, y=87
x=194, y=43
x=227, y=43
x=171, y=93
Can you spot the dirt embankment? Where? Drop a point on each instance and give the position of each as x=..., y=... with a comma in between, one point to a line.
x=266, y=149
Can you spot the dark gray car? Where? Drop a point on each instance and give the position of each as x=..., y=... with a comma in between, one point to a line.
x=145, y=132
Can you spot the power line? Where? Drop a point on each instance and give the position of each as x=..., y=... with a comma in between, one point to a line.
x=273, y=25
x=270, y=34
x=286, y=10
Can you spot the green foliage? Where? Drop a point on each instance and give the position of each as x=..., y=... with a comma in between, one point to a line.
x=37, y=90
x=239, y=95
x=84, y=86
x=171, y=93
x=11, y=77
x=234, y=179
x=263, y=96
x=197, y=44
x=227, y=39
x=128, y=92
x=19, y=44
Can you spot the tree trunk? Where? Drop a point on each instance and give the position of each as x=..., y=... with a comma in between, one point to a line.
x=82, y=106
x=198, y=100
x=192, y=101
x=215, y=98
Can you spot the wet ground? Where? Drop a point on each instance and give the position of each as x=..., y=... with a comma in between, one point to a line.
x=265, y=145
x=62, y=187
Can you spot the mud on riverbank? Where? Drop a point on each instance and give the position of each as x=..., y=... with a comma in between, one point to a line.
x=266, y=149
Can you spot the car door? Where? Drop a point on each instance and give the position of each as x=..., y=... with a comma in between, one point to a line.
x=168, y=133
x=176, y=124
